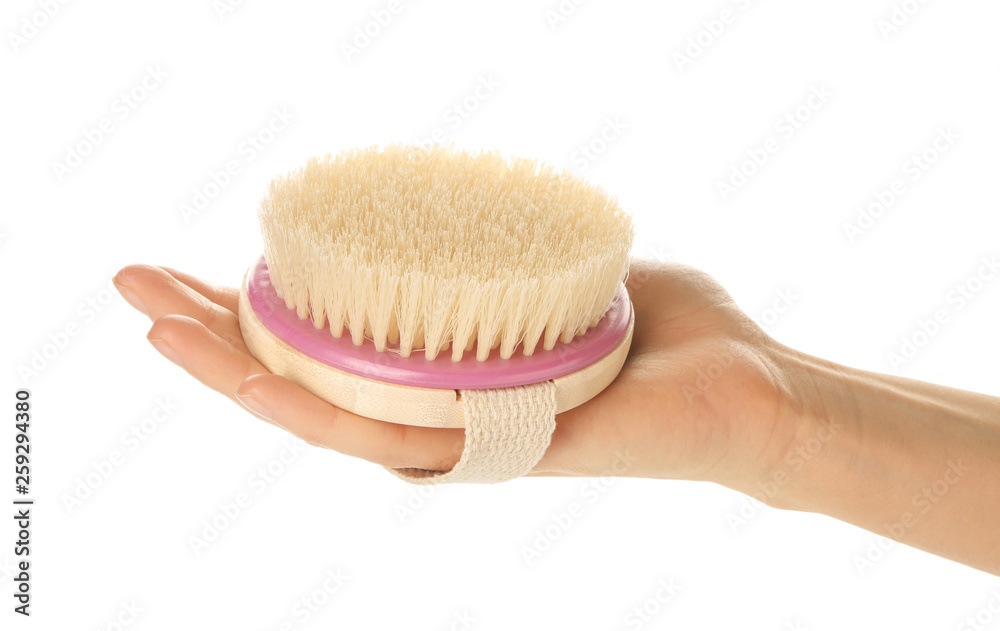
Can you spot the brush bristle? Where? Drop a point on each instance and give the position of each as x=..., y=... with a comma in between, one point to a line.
x=429, y=248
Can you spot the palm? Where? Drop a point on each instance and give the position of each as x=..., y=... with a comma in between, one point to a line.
x=696, y=382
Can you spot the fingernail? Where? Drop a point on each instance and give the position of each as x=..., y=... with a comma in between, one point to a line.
x=166, y=351
x=130, y=297
x=251, y=403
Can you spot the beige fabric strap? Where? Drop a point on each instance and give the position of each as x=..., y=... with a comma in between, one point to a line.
x=507, y=431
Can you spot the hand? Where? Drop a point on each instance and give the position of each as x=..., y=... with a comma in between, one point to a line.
x=704, y=395
x=699, y=396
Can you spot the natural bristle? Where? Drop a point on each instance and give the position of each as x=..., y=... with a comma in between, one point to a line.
x=436, y=248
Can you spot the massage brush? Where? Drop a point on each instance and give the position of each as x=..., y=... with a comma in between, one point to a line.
x=443, y=288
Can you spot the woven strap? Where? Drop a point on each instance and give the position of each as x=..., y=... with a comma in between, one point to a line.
x=507, y=430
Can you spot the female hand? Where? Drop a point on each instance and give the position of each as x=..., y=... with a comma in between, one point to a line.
x=699, y=396
x=703, y=395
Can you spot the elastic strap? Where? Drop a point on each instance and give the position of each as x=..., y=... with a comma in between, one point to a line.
x=507, y=431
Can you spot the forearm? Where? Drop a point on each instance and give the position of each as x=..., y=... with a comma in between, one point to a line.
x=916, y=462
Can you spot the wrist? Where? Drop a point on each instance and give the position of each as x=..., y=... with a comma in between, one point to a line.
x=907, y=460
x=821, y=453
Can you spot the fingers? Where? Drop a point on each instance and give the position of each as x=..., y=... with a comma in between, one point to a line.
x=203, y=354
x=226, y=297
x=156, y=293
x=236, y=374
x=196, y=326
x=315, y=421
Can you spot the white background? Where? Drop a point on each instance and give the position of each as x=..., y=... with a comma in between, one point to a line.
x=460, y=551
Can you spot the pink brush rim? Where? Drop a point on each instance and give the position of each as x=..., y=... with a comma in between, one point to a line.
x=442, y=373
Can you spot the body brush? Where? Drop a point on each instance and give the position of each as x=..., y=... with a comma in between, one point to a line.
x=443, y=288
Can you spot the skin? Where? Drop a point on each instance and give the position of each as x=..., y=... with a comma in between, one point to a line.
x=705, y=394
